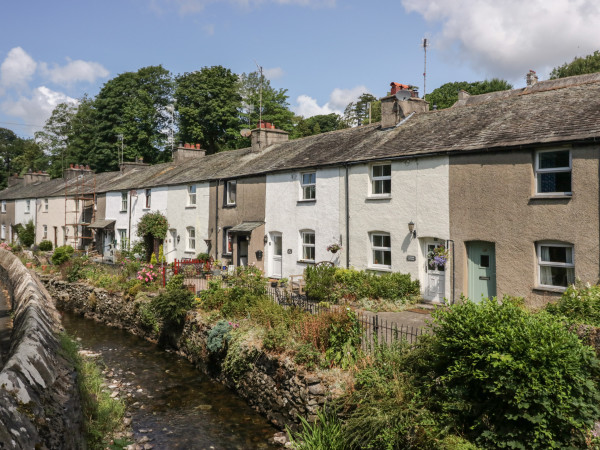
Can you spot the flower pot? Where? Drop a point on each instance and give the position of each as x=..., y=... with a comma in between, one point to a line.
x=28, y=265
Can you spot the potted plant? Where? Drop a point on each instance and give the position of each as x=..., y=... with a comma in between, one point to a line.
x=334, y=248
x=437, y=257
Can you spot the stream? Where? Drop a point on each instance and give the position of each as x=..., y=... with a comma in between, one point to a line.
x=172, y=403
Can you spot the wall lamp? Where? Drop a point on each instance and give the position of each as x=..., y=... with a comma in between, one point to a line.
x=411, y=229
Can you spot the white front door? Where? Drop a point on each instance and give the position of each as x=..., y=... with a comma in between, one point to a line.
x=435, y=279
x=277, y=253
x=172, y=244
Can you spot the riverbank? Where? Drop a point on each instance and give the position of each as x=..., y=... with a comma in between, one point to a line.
x=271, y=384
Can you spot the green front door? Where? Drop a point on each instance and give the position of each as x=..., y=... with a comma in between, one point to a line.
x=482, y=270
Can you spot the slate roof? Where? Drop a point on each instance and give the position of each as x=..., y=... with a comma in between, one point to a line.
x=553, y=111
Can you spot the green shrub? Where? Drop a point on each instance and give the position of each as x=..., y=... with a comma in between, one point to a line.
x=73, y=269
x=325, y=434
x=218, y=336
x=240, y=358
x=45, y=246
x=308, y=356
x=509, y=378
x=580, y=304
x=203, y=256
x=345, y=337
x=172, y=305
x=276, y=339
x=320, y=283
x=26, y=234
x=62, y=254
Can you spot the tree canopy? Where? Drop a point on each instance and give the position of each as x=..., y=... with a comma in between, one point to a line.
x=357, y=113
x=321, y=123
x=18, y=155
x=447, y=94
x=579, y=66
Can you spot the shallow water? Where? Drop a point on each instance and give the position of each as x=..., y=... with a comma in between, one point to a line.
x=183, y=407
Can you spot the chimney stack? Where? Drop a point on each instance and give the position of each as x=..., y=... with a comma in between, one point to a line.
x=265, y=134
x=187, y=151
x=394, y=109
x=75, y=170
x=531, y=78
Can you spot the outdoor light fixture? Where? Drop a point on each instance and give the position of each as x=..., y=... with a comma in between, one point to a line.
x=266, y=238
x=411, y=229
x=178, y=238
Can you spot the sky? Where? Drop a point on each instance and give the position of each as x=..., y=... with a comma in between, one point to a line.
x=324, y=52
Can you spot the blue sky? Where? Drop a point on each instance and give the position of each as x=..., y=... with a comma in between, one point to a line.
x=325, y=52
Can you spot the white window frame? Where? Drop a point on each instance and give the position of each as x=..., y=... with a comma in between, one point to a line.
x=191, y=239
x=148, y=198
x=227, y=238
x=124, y=202
x=228, y=200
x=45, y=205
x=380, y=179
x=308, y=191
x=539, y=172
x=541, y=263
x=45, y=232
x=3, y=232
x=380, y=248
x=123, y=241
x=3, y=206
x=306, y=247
x=191, y=198
x=27, y=206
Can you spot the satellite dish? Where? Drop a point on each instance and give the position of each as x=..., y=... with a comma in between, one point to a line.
x=245, y=132
x=403, y=95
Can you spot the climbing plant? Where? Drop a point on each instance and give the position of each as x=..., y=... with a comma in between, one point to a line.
x=152, y=226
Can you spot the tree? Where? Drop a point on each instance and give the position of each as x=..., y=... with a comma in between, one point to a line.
x=132, y=105
x=54, y=139
x=447, y=94
x=208, y=103
x=579, y=66
x=8, y=151
x=152, y=228
x=357, y=113
x=321, y=123
x=29, y=156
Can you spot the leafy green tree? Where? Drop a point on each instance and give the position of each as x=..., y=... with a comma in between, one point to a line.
x=82, y=140
x=447, y=94
x=54, y=139
x=357, y=113
x=208, y=103
x=8, y=151
x=27, y=234
x=132, y=105
x=579, y=66
x=29, y=156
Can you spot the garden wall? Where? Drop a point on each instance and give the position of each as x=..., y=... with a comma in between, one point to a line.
x=271, y=384
x=39, y=402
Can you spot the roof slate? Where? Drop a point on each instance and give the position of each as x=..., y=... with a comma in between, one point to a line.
x=553, y=111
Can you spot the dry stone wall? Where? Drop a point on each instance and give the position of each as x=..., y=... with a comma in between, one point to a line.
x=39, y=402
x=273, y=385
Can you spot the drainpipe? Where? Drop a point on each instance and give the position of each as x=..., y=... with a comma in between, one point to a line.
x=217, y=220
x=447, y=242
x=347, y=219
x=129, y=227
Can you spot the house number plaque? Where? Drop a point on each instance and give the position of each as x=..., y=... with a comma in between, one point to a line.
x=411, y=258
x=289, y=251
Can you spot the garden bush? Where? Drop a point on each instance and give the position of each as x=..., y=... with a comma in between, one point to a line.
x=509, y=378
x=172, y=305
x=62, y=254
x=26, y=234
x=580, y=304
x=45, y=246
x=218, y=336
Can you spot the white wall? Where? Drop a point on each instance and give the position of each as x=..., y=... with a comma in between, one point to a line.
x=21, y=216
x=180, y=216
x=285, y=213
x=419, y=193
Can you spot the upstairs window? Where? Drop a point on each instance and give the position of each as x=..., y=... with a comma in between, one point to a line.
x=27, y=206
x=191, y=195
x=381, y=179
x=308, y=245
x=556, y=265
x=553, y=172
x=381, y=249
x=309, y=185
x=123, y=201
x=148, y=198
x=230, y=195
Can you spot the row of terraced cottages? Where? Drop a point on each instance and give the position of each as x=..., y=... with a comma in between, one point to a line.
x=508, y=182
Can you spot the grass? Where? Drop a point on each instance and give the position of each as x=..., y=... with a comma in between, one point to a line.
x=103, y=415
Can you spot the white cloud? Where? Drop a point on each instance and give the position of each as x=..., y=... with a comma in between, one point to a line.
x=273, y=73
x=74, y=71
x=507, y=38
x=37, y=108
x=17, y=69
x=338, y=100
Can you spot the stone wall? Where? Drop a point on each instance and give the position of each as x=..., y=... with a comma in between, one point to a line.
x=273, y=385
x=39, y=401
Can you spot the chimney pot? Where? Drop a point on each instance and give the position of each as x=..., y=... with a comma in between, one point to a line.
x=531, y=78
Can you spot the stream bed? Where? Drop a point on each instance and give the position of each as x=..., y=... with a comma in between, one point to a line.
x=173, y=404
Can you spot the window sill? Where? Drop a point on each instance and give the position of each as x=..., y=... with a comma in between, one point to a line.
x=379, y=268
x=190, y=206
x=379, y=197
x=307, y=200
x=123, y=211
x=147, y=208
x=233, y=205
x=555, y=289
x=189, y=251
x=306, y=261
x=551, y=197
